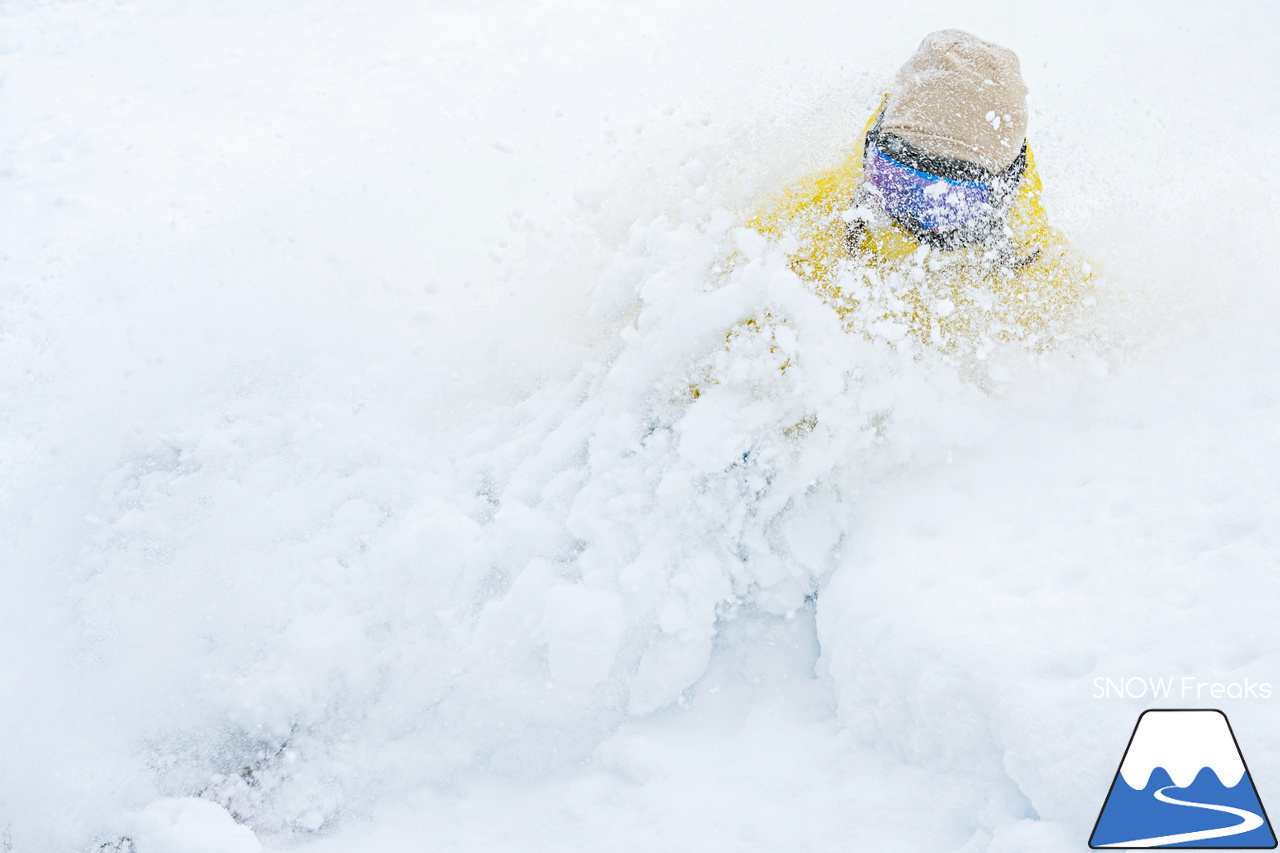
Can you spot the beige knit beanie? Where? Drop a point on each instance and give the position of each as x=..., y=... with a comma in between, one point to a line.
x=961, y=98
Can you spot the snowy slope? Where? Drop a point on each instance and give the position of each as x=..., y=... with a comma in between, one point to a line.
x=348, y=437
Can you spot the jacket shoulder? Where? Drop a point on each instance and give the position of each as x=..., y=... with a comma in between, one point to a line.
x=809, y=200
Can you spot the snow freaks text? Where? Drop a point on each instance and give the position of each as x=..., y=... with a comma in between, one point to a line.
x=1178, y=687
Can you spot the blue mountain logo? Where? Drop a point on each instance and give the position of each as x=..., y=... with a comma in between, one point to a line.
x=1183, y=783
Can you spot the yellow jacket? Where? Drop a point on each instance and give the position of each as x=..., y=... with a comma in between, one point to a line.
x=877, y=276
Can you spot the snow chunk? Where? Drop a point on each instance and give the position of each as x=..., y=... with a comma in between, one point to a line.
x=582, y=629
x=190, y=825
x=695, y=172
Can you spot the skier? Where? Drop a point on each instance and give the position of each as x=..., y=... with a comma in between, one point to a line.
x=937, y=212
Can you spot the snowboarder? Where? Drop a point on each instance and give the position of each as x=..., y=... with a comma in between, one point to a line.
x=938, y=203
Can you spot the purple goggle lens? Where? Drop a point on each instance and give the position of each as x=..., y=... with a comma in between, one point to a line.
x=932, y=203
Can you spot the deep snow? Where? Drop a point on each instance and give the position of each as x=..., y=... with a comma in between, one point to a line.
x=348, y=434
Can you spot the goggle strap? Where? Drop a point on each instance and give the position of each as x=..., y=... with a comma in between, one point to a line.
x=944, y=167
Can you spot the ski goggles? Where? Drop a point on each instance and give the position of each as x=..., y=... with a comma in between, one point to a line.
x=924, y=201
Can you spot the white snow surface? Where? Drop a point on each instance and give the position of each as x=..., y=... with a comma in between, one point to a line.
x=1183, y=743
x=189, y=825
x=351, y=478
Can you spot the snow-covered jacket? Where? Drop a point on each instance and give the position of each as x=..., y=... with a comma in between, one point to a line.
x=872, y=270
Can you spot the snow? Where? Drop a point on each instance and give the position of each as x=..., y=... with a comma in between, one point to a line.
x=190, y=825
x=396, y=446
